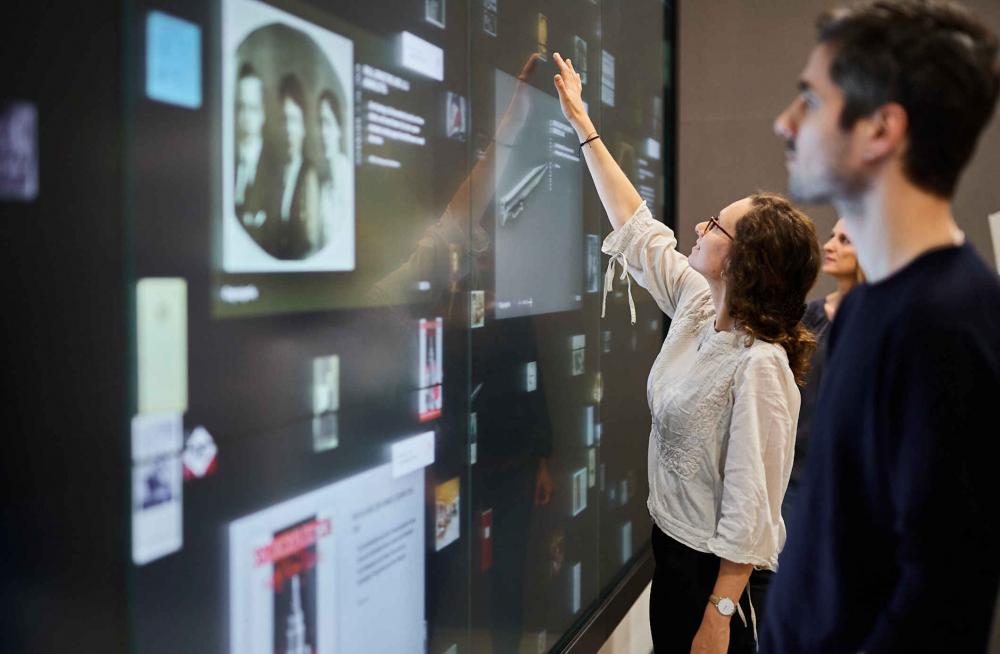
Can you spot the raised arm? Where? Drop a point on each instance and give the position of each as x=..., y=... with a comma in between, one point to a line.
x=617, y=193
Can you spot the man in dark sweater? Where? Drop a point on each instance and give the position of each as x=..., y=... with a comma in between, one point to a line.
x=896, y=538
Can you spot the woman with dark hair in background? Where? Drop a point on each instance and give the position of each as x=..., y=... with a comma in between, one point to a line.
x=722, y=392
x=840, y=261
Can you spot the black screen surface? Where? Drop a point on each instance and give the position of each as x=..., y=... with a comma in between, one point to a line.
x=376, y=408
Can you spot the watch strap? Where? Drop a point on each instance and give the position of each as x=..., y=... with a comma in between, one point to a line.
x=715, y=599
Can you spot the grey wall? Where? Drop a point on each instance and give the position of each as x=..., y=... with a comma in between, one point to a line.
x=738, y=62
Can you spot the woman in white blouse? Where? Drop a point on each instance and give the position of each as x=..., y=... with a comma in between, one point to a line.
x=722, y=392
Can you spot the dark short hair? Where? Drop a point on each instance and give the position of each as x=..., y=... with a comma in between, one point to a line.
x=291, y=87
x=935, y=59
x=246, y=70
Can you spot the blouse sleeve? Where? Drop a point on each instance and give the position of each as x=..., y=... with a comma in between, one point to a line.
x=757, y=461
x=648, y=251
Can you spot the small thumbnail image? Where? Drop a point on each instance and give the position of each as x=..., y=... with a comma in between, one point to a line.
x=485, y=539
x=530, y=376
x=477, y=308
x=579, y=491
x=434, y=12
x=157, y=508
x=430, y=403
x=597, y=389
x=454, y=264
x=592, y=467
x=326, y=384
x=606, y=341
x=575, y=592
x=577, y=344
x=627, y=487
x=431, y=342
x=156, y=482
x=446, y=529
x=593, y=263
x=626, y=541
x=588, y=426
x=557, y=551
x=325, y=432
x=580, y=58
x=543, y=36
x=607, y=78
x=18, y=151
x=456, y=117
x=490, y=17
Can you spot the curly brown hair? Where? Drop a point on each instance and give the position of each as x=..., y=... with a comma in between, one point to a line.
x=772, y=264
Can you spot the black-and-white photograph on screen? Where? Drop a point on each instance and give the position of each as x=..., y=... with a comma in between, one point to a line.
x=287, y=154
x=539, y=208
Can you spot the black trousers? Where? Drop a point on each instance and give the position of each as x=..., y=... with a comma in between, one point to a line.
x=682, y=582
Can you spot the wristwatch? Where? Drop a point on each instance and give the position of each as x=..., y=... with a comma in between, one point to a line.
x=726, y=606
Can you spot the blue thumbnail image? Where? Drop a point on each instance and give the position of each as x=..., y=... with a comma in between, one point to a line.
x=173, y=60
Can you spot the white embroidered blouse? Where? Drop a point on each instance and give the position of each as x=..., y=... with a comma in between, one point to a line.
x=724, y=414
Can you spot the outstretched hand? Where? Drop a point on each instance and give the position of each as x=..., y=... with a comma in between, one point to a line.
x=570, y=88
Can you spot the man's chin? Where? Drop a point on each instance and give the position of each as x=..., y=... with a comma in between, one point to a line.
x=804, y=192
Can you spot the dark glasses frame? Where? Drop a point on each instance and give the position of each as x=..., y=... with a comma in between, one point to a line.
x=713, y=222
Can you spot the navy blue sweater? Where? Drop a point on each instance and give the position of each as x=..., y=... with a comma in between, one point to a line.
x=897, y=536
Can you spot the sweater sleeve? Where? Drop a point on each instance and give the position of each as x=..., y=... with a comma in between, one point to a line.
x=757, y=460
x=648, y=250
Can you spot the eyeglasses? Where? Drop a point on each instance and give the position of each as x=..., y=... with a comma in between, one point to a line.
x=713, y=222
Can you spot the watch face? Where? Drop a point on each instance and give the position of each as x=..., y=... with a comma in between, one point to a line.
x=726, y=606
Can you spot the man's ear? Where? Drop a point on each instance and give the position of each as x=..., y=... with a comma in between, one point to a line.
x=885, y=132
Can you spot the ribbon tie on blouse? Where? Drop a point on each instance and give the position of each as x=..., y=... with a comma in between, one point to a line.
x=609, y=280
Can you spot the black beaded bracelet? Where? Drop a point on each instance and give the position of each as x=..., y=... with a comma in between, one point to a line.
x=592, y=138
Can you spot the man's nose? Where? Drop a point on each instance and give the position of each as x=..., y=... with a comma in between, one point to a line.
x=784, y=125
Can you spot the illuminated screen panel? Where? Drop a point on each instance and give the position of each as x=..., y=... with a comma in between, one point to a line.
x=317, y=572
x=317, y=120
x=539, y=210
x=371, y=377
